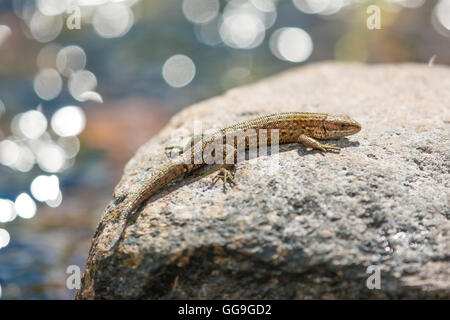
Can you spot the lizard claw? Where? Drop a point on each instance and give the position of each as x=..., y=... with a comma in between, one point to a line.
x=330, y=147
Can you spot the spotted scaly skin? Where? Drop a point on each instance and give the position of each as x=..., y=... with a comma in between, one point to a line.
x=294, y=127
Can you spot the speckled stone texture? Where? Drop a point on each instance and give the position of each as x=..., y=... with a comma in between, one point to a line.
x=311, y=228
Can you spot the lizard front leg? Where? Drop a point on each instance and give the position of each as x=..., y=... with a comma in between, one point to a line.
x=312, y=143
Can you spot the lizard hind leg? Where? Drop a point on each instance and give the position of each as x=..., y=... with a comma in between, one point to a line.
x=169, y=151
x=172, y=151
x=226, y=175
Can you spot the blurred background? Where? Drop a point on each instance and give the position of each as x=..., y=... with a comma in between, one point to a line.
x=79, y=79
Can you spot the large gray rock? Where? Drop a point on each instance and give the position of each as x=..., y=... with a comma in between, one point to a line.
x=310, y=229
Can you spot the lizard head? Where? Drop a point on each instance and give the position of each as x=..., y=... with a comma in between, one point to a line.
x=335, y=126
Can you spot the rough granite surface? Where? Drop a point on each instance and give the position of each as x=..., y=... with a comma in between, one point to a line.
x=311, y=228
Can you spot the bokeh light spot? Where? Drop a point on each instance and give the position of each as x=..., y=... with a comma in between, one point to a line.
x=4, y=238
x=9, y=152
x=91, y=96
x=52, y=7
x=242, y=30
x=47, y=84
x=70, y=145
x=311, y=6
x=25, y=206
x=7, y=211
x=113, y=20
x=178, y=71
x=54, y=203
x=26, y=159
x=200, y=11
x=68, y=121
x=81, y=82
x=50, y=157
x=291, y=44
x=264, y=5
x=45, y=28
x=70, y=59
x=32, y=124
x=208, y=33
x=442, y=13
x=44, y=188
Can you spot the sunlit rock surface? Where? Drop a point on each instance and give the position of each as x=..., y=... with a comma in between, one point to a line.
x=311, y=228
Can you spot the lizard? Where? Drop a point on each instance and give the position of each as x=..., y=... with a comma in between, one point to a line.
x=293, y=127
